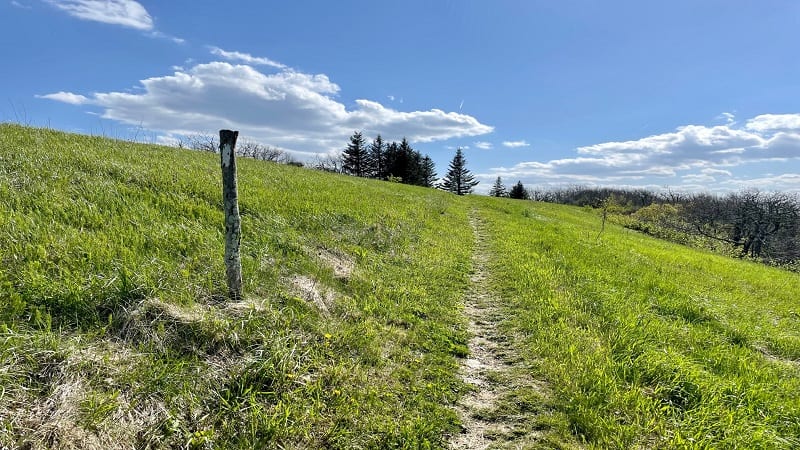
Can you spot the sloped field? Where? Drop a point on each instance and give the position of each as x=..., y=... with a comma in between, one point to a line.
x=115, y=330
x=645, y=343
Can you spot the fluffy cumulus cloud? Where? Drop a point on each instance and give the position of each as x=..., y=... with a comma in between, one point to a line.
x=771, y=122
x=127, y=13
x=285, y=108
x=483, y=145
x=692, y=156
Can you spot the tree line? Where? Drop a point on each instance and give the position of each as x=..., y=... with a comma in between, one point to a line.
x=398, y=162
x=518, y=191
x=385, y=161
x=390, y=161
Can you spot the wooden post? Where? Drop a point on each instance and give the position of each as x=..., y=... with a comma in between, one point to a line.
x=230, y=198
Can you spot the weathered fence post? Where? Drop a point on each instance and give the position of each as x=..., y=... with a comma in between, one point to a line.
x=230, y=198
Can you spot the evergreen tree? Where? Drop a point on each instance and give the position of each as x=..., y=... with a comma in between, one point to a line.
x=413, y=164
x=519, y=192
x=354, y=158
x=428, y=170
x=498, y=190
x=459, y=180
x=393, y=166
x=403, y=162
x=376, y=159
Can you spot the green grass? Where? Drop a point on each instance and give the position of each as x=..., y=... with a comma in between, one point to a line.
x=645, y=343
x=113, y=317
x=114, y=326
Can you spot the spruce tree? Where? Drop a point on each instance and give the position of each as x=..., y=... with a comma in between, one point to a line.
x=459, y=180
x=354, y=158
x=403, y=162
x=428, y=171
x=376, y=159
x=498, y=190
x=393, y=165
x=408, y=163
x=519, y=192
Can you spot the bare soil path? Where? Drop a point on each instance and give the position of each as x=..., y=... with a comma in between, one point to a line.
x=502, y=409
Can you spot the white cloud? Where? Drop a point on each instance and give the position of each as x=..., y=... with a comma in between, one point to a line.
x=483, y=145
x=787, y=182
x=245, y=58
x=19, y=5
x=127, y=13
x=774, y=122
x=66, y=97
x=698, y=178
x=712, y=172
x=729, y=118
x=686, y=141
x=417, y=126
x=515, y=144
x=692, y=153
x=288, y=109
x=160, y=35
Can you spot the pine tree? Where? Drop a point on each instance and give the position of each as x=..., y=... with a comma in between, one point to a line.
x=413, y=164
x=459, y=180
x=403, y=162
x=519, y=192
x=498, y=190
x=393, y=166
x=428, y=170
x=376, y=159
x=354, y=158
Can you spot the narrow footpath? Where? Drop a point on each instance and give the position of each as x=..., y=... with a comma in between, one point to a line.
x=490, y=416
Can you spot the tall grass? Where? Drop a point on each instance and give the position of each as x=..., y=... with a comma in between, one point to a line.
x=114, y=324
x=646, y=343
x=115, y=329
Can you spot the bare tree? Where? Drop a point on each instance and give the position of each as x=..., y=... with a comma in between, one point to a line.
x=329, y=164
x=749, y=220
x=245, y=148
x=200, y=141
x=255, y=150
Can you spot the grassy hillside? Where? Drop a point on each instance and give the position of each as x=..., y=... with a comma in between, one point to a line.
x=114, y=327
x=115, y=331
x=645, y=343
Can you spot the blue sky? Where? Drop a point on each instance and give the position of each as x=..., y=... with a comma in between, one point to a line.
x=699, y=95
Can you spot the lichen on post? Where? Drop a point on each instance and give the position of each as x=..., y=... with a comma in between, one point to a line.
x=230, y=198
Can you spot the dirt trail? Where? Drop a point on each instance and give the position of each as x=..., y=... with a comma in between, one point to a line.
x=489, y=415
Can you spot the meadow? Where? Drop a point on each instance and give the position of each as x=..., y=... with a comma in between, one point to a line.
x=114, y=326
x=644, y=343
x=115, y=330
